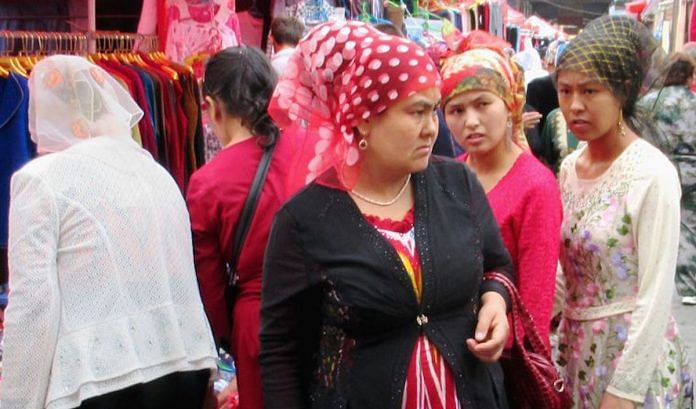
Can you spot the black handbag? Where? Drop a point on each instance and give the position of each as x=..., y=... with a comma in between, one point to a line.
x=242, y=228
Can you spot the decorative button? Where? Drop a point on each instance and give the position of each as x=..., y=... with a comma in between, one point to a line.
x=422, y=320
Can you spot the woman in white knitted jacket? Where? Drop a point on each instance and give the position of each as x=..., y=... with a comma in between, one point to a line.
x=104, y=309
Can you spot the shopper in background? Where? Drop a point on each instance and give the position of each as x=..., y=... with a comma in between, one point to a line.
x=238, y=84
x=285, y=33
x=104, y=310
x=673, y=111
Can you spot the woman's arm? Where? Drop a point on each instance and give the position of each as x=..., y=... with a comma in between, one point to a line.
x=492, y=327
x=33, y=314
x=290, y=318
x=209, y=257
x=653, y=206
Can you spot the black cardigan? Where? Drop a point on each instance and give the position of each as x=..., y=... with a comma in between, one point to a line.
x=339, y=314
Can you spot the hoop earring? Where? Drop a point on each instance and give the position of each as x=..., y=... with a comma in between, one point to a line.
x=509, y=123
x=362, y=145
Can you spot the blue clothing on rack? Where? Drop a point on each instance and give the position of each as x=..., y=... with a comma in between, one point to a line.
x=15, y=143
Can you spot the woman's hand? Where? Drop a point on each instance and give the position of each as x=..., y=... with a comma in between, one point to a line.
x=224, y=396
x=492, y=328
x=531, y=119
x=610, y=401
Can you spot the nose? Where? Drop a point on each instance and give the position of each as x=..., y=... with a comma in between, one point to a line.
x=471, y=120
x=431, y=126
x=576, y=103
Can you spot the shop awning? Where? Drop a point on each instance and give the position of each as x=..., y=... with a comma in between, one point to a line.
x=514, y=17
x=540, y=26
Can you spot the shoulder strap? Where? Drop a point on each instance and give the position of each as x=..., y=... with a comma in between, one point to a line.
x=248, y=211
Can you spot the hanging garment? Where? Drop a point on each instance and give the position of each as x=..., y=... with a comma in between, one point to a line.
x=194, y=27
x=15, y=143
x=692, y=20
x=312, y=12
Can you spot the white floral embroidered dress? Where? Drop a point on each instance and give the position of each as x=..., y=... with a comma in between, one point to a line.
x=619, y=246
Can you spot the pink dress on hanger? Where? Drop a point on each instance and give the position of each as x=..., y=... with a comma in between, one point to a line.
x=200, y=26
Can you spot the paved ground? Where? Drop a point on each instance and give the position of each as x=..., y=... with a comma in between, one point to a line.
x=686, y=319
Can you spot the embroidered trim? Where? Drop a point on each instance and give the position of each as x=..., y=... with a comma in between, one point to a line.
x=599, y=311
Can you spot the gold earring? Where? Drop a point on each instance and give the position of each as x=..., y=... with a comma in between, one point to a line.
x=362, y=144
x=622, y=128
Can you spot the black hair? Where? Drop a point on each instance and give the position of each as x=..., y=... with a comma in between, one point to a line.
x=243, y=80
x=389, y=28
x=680, y=71
x=287, y=30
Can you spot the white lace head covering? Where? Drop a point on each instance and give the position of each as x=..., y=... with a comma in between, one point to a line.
x=71, y=100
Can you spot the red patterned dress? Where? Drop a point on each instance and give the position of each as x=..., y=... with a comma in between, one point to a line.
x=429, y=381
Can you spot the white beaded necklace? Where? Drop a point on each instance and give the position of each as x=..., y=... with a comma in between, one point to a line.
x=388, y=203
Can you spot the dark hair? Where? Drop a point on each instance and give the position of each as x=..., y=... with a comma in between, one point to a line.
x=243, y=80
x=389, y=28
x=679, y=71
x=287, y=30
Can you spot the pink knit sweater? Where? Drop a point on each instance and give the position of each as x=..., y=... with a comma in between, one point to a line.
x=526, y=203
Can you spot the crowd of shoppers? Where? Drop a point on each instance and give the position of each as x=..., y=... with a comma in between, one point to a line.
x=360, y=283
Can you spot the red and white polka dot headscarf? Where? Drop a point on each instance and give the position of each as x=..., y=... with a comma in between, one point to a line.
x=341, y=74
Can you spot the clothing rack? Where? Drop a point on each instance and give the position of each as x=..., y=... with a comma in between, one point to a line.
x=167, y=92
x=45, y=43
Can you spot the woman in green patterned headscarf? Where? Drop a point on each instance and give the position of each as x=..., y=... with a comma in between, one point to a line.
x=618, y=344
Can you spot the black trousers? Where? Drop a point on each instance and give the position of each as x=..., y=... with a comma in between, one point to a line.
x=180, y=390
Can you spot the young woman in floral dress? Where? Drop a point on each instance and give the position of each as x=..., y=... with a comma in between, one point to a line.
x=618, y=345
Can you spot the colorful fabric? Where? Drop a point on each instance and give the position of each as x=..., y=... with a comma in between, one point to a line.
x=557, y=141
x=15, y=143
x=311, y=12
x=202, y=26
x=690, y=50
x=342, y=74
x=674, y=114
x=615, y=51
x=478, y=62
x=618, y=253
x=429, y=381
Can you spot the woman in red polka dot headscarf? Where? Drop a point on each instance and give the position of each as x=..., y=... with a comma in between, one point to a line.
x=372, y=295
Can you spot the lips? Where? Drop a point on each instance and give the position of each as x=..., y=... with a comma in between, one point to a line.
x=474, y=137
x=424, y=148
x=579, y=124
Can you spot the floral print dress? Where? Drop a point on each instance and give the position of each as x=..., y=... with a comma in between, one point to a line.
x=674, y=114
x=619, y=247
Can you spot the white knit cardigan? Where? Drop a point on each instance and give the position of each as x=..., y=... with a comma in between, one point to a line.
x=103, y=293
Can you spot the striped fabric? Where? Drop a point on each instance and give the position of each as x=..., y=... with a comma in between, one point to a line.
x=429, y=381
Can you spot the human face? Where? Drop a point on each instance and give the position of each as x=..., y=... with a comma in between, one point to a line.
x=478, y=121
x=401, y=139
x=591, y=110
